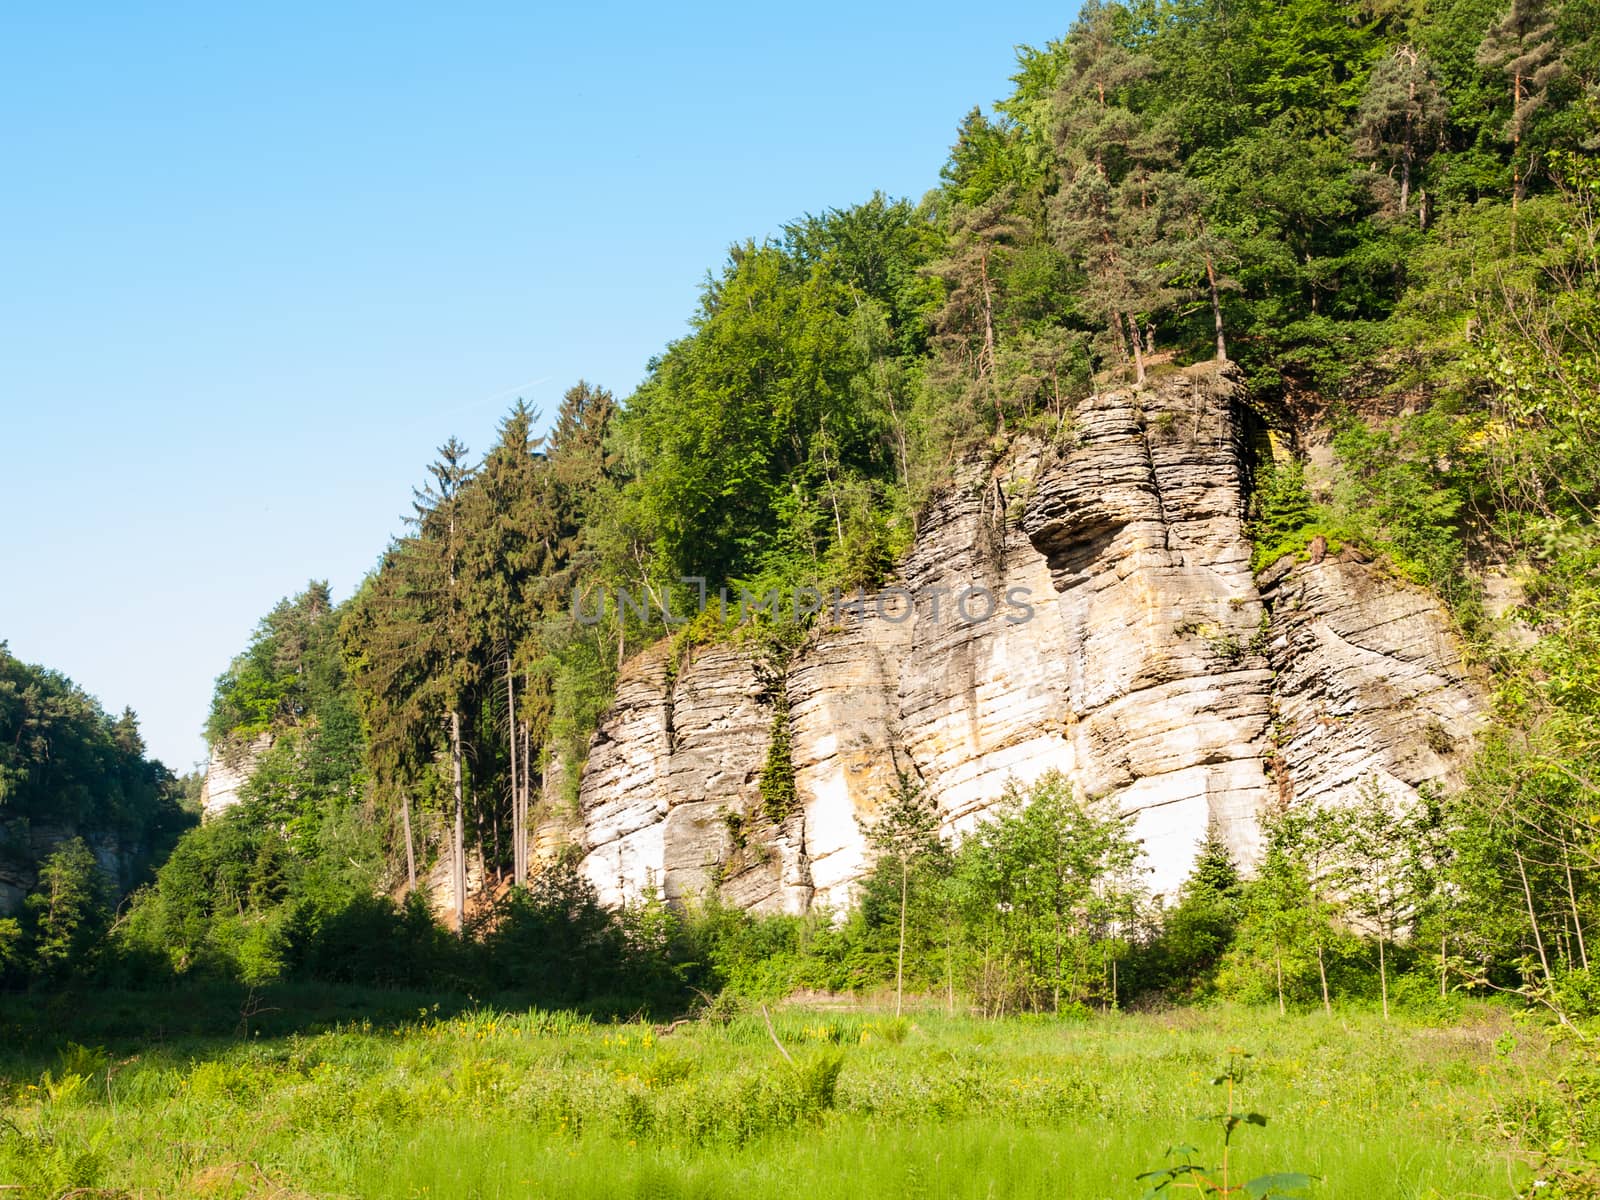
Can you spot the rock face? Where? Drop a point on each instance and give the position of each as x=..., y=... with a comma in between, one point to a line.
x=1087, y=607
x=23, y=848
x=672, y=787
x=227, y=771
x=1371, y=688
x=1168, y=697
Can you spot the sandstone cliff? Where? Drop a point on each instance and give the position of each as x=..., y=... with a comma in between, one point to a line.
x=227, y=771
x=122, y=858
x=1086, y=606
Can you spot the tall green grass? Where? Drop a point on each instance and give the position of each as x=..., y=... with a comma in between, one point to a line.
x=489, y=1103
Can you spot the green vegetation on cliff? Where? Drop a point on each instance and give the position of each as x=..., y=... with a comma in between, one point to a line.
x=1387, y=216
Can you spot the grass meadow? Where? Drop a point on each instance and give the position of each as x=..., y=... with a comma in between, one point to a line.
x=410, y=1101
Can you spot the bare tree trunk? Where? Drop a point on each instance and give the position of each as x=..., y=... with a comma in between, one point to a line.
x=1216, y=309
x=900, y=959
x=1538, y=938
x=518, y=873
x=1405, y=141
x=1516, y=149
x=1122, y=338
x=1138, y=349
x=1278, y=955
x=458, y=846
x=1577, y=921
x=1055, y=990
x=1383, y=978
x=527, y=789
x=986, y=358
x=1322, y=970
x=411, y=855
x=1444, y=966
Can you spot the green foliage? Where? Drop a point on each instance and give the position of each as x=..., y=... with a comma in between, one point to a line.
x=554, y=943
x=67, y=766
x=1185, y=1174
x=1386, y=214
x=777, y=772
x=66, y=761
x=1198, y=931
x=291, y=665
x=1404, y=489
x=1274, y=954
x=66, y=911
x=1048, y=890
x=744, y=431
x=1284, y=519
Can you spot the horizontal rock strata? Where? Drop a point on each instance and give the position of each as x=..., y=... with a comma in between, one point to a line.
x=1086, y=606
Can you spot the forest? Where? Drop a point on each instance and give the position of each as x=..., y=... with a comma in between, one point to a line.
x=1385, y=215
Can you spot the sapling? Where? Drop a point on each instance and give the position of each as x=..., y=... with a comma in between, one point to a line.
x=1185, y=1174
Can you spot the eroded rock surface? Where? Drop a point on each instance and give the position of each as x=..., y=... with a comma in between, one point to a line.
x=671, y=793
x=1086, y=606
x=227, y=771
x=1370, y=682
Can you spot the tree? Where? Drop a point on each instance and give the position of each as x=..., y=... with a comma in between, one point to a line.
x=408, y=639
x=13, y=956
x=66, y=910
x=1281, y=923
x=1120, y=211
x=740, y=438
x=68, y=764
x=1378, y=866
x=440, y=533
x=1523, y=46
x=1402, y=115
x=1048, y=885
x=967, y=326
x=1199, y=929
x=904, y=830
x=510, y=549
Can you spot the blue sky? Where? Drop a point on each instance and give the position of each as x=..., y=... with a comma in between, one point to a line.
x=257, y=264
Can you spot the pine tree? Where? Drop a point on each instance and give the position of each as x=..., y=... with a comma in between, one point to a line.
x=967, y=327
x=441, y=535
x=408, y=643
x=65, y=910
x=1402, y=116
x=1524, y=46
x=1121, y=212
x=508, y=553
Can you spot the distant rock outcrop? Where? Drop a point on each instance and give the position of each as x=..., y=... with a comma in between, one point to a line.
x=227, y=771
